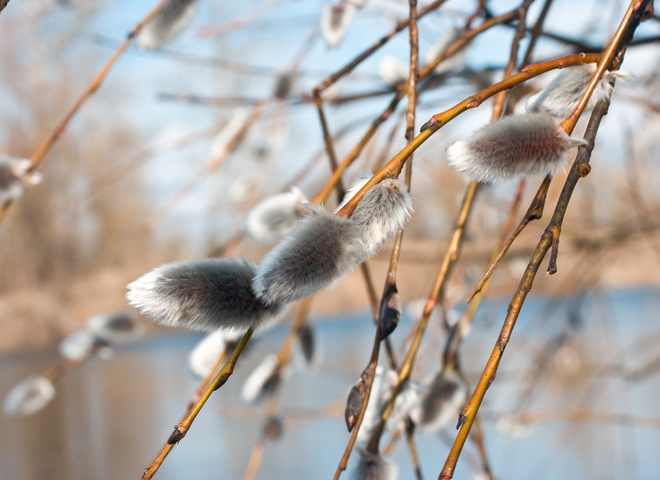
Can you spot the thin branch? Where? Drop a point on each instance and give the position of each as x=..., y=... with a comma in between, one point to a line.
x=578, y=170
x=181, y=429
x=393, y=171
x=402, y=25
x=534, y=212
x=451, y=255
x=437, y=121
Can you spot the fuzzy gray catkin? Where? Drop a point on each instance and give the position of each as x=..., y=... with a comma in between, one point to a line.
x=324, y=247
x=275, y=216
x=14, y=176
x=166, y=24
x=29, y=396
x=373, y=466
x=203, y=295
x=441, y=403
x=525, y=144
x=563, y=94
x=315, y=255
x=335, y=20
x=382, y=213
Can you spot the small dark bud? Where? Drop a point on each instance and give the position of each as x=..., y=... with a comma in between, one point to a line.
x=176, y=436
x=390, y=312
x=428, y=124
x=355, y=399
x=283, y=86
x=222, y=381
x=461, y=420
x=354, y=404
x=307, y=342
x=273, y=428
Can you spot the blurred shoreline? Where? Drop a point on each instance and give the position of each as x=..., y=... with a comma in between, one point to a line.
x=33, y=318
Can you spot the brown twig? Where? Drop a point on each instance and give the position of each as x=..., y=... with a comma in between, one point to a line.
x=93, y=87
x=580, y=166
x=181, y=429
x=239, y=21
x=451, y=254
x=397, y=166
x=588, y=416
x=207, y=381
x=610, y=59
x=368, y=376
x=283, y=358
x=437, y=121
x=534, y=212
x=402, y=25
x=96, y=83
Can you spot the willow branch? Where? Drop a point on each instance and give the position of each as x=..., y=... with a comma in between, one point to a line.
x=579, y=169
x=93, y=87
x=181, y=429
x=395, y=165
x=402, y=25
x=451, y=255
x=402, y=91
x=534, y=212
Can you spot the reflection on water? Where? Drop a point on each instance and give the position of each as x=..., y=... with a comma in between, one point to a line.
x=110, y=418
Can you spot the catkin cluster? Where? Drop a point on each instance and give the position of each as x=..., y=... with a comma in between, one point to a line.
x=233, y=294
x=532, y=142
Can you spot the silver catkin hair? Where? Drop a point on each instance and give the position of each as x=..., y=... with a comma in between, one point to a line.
x=563, y=94
x=319, y=252
x=382, y=213
x=166, y=24
x=203, y=295
x=525, y=144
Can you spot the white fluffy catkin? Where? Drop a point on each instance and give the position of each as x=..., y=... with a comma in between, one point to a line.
x=263, y=379
x=392, y=70
x=114, y=327
x=382, y=213
x=375, y=467
x=335, y=20
x=563, y=94
x=14, y=176
x=441, y=404
x=323, y=248
x=381, y=391
x=360, y=181
x=526, y=144
x=166, y=24
x=203, y=295
x=203, y=357
x=275, y=216
x=315, y=255
x=79, y=345
x=29, y=396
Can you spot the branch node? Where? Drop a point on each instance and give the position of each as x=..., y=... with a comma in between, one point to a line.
x=552, y=263
x=462, y=418
x=584, y=170
x=222, y=381
x=473, y=103
x=177, y=435
x=433, y=124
